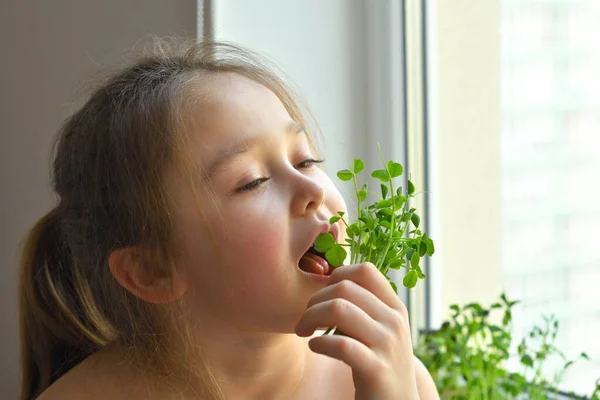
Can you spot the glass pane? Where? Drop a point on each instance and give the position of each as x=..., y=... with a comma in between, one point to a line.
x=551, y=171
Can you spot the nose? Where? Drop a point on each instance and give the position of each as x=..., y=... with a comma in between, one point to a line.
x=308, y=195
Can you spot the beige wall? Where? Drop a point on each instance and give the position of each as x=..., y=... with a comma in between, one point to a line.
x=47, y=49
x=466, y=164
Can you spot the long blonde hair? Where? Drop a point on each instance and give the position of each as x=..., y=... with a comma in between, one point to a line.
x=108, y=172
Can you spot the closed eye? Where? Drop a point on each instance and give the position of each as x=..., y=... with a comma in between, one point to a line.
x=250, y=186
x=255, y=184
x=308, y=163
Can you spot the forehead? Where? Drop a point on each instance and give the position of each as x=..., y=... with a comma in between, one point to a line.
x=228, y=106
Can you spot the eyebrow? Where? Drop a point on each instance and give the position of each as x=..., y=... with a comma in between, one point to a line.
x=228, y=155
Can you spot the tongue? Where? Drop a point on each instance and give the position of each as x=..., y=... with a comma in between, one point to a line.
x=313, y=264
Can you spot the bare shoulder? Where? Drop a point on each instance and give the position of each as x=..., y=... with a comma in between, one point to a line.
x=343, y=380
x=425, y=383
x=100, y=376
x=75, y=384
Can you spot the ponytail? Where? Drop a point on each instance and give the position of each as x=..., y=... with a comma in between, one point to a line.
x=59, y=324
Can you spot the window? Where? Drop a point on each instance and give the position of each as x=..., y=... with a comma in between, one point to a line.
x=550, y=140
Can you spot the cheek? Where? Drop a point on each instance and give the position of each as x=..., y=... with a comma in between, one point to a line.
x=246, y=268
x=259, y=239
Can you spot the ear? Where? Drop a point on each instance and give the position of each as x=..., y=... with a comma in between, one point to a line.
x=130, y=268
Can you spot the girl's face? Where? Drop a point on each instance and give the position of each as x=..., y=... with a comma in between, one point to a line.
x=243, y=240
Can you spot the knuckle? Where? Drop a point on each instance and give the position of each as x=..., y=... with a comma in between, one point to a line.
x=402, y=309
x=338, y=307
x=390, y=343
x=397, y=322
x=367, y=265
x=367, y=269
x=378, y=370
x=386, y=336
x=344, y=288
x=345, y=347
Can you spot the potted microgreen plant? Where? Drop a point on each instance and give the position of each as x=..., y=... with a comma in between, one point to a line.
x=468, y=356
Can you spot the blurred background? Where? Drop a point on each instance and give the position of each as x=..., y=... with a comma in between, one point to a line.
x=492, y=106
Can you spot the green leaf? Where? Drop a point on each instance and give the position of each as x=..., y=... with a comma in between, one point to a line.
x=411, y=188
x=393, y=285
x=410, y=279
x=324, y=242
x=396, y=264
x=386, y=211
x=409, y=253
x=345, y=175
x=362, y=195
x=422, y=249
x=399, y=191
x=507, y=318
x=416, y=220
x=527, y=360
x=494, y=328
x=391, y=255
x=381, y=174
x=359, y=165
x=430, y=247
x=398, y=202
x=336, y=255
x=371, y=223
x=340, y=213
x=334, y=219
x=384, y=203
x=473, y=306
x=420, y=273
x=386, y=225
x=414, y=260
x=353, y=230
x=394, y=169
x=384, y=191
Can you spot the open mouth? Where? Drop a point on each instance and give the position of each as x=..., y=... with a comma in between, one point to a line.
x=314, y=262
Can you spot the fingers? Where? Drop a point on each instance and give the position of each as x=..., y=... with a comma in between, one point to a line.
x=360, y=302
x=348, y=317
x=356, y=355
x=369, y=277
x=356, y=294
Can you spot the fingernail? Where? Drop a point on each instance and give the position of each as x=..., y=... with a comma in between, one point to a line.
x=301, y=332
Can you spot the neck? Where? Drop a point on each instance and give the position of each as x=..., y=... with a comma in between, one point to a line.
x=260, y=366
x=253, y=365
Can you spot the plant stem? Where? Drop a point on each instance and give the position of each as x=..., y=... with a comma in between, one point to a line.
x=392, y=222
x=481, y=367
x=355, y=253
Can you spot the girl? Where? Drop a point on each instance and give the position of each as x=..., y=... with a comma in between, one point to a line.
x=175, y=264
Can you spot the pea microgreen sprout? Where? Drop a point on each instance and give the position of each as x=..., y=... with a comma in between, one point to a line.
x=379, y=234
